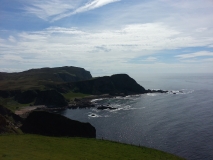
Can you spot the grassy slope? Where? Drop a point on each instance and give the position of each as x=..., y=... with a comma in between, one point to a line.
x=33, y=147
x=72, y=95
x=11, y=104
x=39, y=78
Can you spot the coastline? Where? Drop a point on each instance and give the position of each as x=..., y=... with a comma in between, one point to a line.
x=85, y=102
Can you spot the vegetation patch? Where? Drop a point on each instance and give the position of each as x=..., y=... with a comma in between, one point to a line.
x=72, y=95
x=11, y=104
x=34, y=147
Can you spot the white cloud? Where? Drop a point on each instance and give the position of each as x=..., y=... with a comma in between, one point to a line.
x=12, y=39
x=9, y=70
x=88, y=6
x=100, y=49
x=47, y=9
x=94, y=4
x=190, y=18
x=200, y=61
x=151, y=59
x=194, y=55
x=12, y=58
x=132, y=39
x=211, y=46
x=56, y=9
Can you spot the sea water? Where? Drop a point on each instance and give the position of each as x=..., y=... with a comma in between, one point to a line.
x=178, y=122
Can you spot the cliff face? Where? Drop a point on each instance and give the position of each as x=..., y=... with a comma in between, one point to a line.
x=115, y=84
x=127, y=84
x=10, y=115
x=49, y=124
x=45, y=86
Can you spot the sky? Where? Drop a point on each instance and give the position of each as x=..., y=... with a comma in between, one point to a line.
x=107, y=36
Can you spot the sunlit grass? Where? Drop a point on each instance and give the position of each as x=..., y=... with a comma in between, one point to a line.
x=72, y=95
x=34, y=147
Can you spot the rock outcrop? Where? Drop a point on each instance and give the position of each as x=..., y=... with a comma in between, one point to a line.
x=9, y=114
x=50, y=124
x=156, y=91
x=105, y=107
x=9, y=122
x=81, y=103
x=119, y=84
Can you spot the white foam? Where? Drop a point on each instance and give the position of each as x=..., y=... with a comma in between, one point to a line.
x=182, y=91
x=125, y=108
x=152, y=94
x=95, y=100
x=114, y=110
x=128, y=107
x=93, y=115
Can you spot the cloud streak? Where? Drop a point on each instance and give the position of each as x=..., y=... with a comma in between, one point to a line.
x=128, y=34
x=54, y=10
x=48, y=9
x=195, y=55
x=88, y=6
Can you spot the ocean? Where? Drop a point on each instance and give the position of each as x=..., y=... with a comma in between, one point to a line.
x=179, y=122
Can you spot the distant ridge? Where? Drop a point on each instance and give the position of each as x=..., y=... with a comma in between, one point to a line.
x=57, y=87
x=36, y=78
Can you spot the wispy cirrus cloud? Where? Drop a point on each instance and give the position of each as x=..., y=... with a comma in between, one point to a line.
x=54, y=10
x=195, y=55
x=158, y=34
x=88, y=6
x=48, y=9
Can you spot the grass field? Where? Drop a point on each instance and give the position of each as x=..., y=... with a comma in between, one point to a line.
x=34, y=147
x=11, y=104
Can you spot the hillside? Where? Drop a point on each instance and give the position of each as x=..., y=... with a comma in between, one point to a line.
x=115, y=85
x=55, y=87
x=34, y=147
x=38, y=78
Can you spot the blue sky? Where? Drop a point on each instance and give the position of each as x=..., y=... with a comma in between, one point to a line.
x=107, y=36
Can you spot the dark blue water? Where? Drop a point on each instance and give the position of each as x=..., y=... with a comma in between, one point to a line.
x=180, y=123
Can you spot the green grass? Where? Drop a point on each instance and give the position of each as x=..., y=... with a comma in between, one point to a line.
x=34, y=147
x=72, y=95
x=11, y=104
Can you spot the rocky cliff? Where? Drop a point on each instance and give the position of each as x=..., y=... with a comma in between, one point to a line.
x=9, y=122
x=46, y=86
x=114, y=85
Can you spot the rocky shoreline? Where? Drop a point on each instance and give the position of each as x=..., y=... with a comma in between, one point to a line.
x=85, y=102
